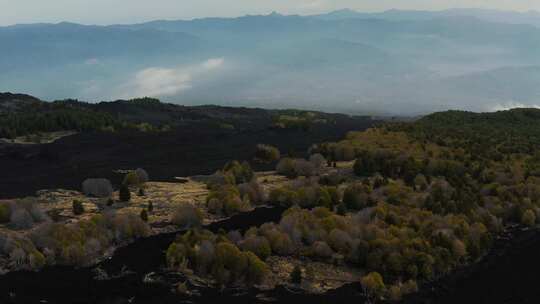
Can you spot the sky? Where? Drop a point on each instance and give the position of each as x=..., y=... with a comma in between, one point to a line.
x=132, y=11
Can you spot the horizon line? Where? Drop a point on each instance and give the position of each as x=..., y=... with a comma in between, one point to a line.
x=532, y=11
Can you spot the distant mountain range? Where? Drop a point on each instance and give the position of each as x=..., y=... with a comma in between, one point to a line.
x=393, y=62
x=499, y=16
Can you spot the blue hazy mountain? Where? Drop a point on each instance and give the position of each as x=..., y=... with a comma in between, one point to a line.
x=499, y=16
x=390, y=62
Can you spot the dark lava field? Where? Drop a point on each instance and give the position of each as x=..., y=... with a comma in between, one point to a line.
x=195, y=148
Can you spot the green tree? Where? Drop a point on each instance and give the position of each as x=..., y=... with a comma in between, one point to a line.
x=5, y=213
x=528, y=218
x=373, y=284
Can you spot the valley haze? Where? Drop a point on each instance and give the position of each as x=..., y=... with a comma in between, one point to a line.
x=395, y=62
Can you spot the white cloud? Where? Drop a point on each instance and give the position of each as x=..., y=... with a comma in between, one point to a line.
x=512, y=105
x=92, y=61
x=159, y=81
x=213, y=63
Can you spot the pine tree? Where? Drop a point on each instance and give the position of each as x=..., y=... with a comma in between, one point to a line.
x=78, y=207
x=144, y=215
x=296, y=275
x=125, y=194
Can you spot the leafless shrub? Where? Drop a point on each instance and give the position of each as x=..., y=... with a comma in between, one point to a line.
x=258, y=245
x=340, y=241
x=215, y=206
x=21, y=219
x=254, y=191
x=187, y=216
x=322, y=250
x=205, y=255
x=38, y=214
x=143, y=175
x=17, y=257
x=286, y=167
x=234, y=236
x=98, y=187
x=317, y=160
x=305, y=168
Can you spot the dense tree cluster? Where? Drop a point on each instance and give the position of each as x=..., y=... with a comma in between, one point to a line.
x=296, y=120
x=234, y=189
x=216, y=256
x=483, y=135
x=64, y=115
x=295, y=167
x=56, y=119
x=22, y=213
x=226, y=200
x=306, y=193
x=78, y=243
x=233, y=173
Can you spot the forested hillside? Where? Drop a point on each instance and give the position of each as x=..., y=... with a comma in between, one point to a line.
x=22, y=115
x=481, y=134
x=403, y=203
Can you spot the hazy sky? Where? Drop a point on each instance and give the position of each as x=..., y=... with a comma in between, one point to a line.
x=128, y=11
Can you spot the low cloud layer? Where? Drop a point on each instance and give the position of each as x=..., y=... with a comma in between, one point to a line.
x=163, y=82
